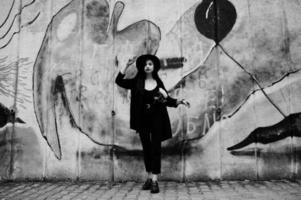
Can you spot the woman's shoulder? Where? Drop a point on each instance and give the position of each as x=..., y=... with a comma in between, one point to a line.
x=160, y=84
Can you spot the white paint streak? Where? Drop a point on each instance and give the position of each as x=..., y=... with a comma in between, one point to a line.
x=66, y=26
x=208, y=9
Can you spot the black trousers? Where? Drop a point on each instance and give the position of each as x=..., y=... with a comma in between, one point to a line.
x=151, y=145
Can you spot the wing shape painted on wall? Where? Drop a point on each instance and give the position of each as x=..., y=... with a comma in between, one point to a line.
x=77, y=63
x=288, y=127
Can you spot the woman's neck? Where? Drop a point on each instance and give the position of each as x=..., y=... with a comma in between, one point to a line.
x=149, y=76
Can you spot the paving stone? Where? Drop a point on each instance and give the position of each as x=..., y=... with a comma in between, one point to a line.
x=223, y=190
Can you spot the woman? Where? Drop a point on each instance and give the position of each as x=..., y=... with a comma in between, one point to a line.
x=148, y=113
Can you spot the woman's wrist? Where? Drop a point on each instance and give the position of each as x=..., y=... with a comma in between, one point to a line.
x=184, y=102
x=122, y=71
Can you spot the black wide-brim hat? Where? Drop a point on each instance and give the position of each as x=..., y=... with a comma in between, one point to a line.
x=141, y=60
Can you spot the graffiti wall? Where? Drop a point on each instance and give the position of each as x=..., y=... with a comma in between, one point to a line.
x=236, y=61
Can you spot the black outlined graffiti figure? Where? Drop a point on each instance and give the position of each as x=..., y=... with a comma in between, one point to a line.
x=70, y=57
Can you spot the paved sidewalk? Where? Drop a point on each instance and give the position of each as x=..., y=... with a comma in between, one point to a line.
x=223, y=190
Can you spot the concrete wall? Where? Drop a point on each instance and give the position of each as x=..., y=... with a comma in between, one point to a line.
x=237, y=62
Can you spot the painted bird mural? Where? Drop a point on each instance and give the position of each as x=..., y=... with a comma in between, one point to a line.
x=74, y=69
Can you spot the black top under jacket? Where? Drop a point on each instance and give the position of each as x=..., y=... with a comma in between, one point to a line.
x=137, y=106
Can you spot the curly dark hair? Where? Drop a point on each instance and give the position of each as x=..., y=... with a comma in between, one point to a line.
x=140, y=63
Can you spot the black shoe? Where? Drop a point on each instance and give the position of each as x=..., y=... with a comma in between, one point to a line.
x=147, y=185
x=155, y=187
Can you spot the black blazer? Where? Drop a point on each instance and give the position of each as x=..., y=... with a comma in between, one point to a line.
x=162, y=121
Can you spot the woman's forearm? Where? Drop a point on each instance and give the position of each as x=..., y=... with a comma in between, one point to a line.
x=125, y=83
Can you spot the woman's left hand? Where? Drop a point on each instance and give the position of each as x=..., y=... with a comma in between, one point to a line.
x=184, y=102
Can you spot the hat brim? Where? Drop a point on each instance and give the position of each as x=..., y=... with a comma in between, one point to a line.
x=141, y=60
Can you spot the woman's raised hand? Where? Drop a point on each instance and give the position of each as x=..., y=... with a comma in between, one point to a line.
x=129, y=63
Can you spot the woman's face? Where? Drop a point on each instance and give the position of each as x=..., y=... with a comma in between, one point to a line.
x=149, y=67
